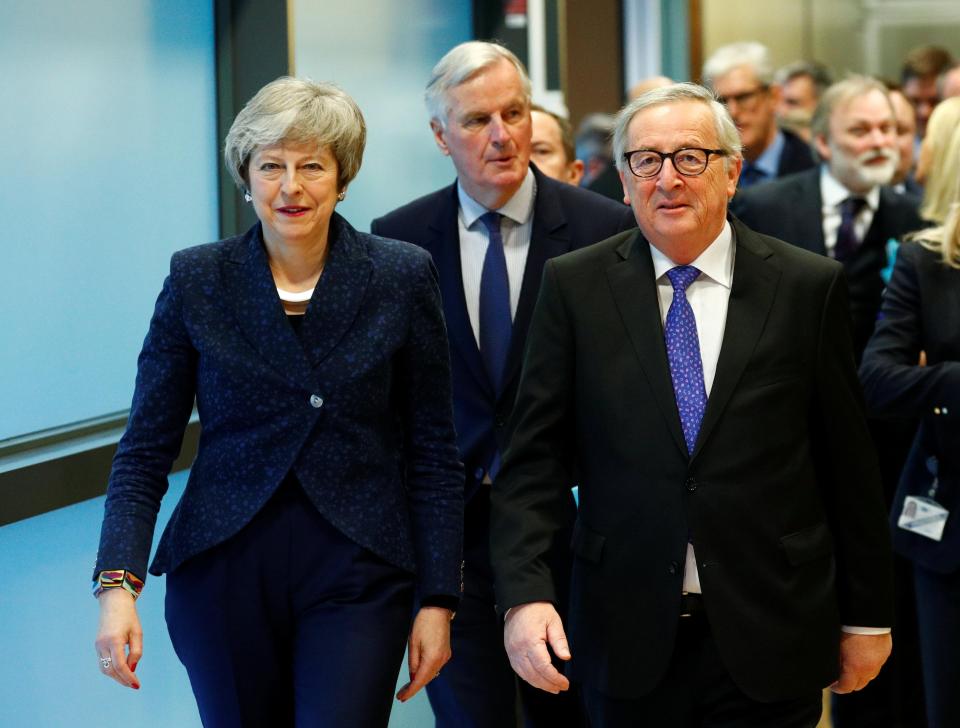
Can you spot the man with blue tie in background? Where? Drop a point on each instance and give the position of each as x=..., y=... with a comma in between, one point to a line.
x=490, y=234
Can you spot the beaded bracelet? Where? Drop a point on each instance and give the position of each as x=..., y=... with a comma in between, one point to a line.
x=117, y=579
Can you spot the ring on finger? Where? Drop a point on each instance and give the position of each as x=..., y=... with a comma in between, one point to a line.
x=106, y=662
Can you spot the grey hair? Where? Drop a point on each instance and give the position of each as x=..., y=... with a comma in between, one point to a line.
x=297, y=111
x=841, y=93
x=816, y=72
x=727, y=136
x=726, y=58
x=458, y=66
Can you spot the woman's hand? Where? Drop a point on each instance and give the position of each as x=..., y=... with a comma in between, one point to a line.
x=119, y=637
x=428, y=649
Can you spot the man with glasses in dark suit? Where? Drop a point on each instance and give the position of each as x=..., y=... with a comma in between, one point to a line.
x=741, y=76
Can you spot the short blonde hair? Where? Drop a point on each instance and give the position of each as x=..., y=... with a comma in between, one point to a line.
x=297, y=111
x=942, y=158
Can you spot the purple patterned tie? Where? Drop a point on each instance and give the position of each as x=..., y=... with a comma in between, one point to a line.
x=847, y=242
x=683, y=354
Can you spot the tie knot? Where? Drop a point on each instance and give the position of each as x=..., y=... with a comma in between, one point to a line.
x=851, y=206
x=682, y=276
x=491, y=221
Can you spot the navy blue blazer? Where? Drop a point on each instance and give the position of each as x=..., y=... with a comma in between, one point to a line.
x=358, y=407
x=565, y=218
x=921, y=312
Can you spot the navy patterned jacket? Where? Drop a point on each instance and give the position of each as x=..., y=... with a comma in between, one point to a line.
x=358, y=408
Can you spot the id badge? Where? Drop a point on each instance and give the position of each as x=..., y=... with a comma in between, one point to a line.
x=923, y=516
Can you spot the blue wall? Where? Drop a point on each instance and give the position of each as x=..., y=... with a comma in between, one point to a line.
x=381, y=53
x=110, y=157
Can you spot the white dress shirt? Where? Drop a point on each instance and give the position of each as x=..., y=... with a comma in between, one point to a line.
x=833, y=193
x=516, y=228
x=709, y=296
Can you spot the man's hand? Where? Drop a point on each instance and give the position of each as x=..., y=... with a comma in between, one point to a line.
x=861, y=657
x=428, y=649
x=528, y=630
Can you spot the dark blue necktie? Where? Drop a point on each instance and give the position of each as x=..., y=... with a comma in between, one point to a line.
x=847, y=242
x=683, y=355
x=496, y=326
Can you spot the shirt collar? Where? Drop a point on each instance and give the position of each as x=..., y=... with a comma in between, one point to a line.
x=518, y=208
x=769, y=161
x=832, y=191
x=716, y=262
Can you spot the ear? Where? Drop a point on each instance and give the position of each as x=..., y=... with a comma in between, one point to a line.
x=576, y=172
x=733, y=176
x=823, y=149
x=626, y=192
x=439, y=136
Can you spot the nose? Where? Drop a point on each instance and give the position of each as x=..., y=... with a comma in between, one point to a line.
x=498, y=131
x=290, y=184
x=882, y=138
x=668, y=176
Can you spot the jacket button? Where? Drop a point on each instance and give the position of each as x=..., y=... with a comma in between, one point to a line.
x=316, y=401
x=673, y=568
x=691, y=484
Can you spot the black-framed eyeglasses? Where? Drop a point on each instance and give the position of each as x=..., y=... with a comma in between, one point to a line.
x=689, y=161
x=745, y=99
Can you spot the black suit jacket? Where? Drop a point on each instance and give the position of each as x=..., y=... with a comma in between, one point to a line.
x=564, y=218
x=796, y=155
x=780, y=498
x=791, y=209
x=921, y=312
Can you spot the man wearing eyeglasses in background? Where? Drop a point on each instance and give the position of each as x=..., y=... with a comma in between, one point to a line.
x=741, y=76
x=731, y=548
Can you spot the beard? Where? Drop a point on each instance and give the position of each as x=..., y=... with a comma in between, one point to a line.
x=863, y=172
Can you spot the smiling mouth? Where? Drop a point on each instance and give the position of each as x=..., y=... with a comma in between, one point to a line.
x=292, y=210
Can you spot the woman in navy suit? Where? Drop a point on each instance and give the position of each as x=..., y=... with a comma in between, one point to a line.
x=325, y=504
x=921, y=313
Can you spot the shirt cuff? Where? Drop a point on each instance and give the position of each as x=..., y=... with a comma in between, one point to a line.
x=865, y=630
x=117, y=579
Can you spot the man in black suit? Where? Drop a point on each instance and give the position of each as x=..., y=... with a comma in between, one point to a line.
x=741, y=75
x=490, y=234
x=845, y=200
x=845, y=211
x=731, y=550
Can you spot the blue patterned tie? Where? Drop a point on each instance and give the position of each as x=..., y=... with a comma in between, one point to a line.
x=496, y=326
x=683, y=354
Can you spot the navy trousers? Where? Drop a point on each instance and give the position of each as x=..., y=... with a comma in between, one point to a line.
x=938, y=616
x=290, y=623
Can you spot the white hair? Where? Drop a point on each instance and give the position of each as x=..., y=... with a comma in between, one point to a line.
x=460, y=65
x=727, y=136
x=726, y=58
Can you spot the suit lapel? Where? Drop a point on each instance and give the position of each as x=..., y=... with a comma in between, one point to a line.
x=809, y=212
x=258, y=312
x=751, y=296
x=339, y=293
x=444, y=245
x=634, y=290
x=549, y=238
